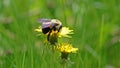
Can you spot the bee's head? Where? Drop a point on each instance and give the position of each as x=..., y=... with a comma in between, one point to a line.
x=57, y=24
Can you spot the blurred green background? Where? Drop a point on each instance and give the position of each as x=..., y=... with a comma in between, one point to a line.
x=96, y=25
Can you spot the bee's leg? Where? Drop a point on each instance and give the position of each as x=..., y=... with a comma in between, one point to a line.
x=48, y=36
x=54, y=28
x=60, y=28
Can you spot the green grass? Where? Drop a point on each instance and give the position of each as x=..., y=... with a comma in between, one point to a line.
x=96, y=26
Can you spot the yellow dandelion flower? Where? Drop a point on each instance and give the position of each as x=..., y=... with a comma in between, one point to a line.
x=66, y=48
x=52, y=35
x=65, y=31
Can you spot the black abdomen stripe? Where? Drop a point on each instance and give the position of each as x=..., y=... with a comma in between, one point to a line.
x=45, y=30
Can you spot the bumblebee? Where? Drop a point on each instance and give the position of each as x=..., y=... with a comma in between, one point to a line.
x=50, y=24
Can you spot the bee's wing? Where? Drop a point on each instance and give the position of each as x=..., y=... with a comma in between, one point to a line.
x=44, y=20
x=45, y=23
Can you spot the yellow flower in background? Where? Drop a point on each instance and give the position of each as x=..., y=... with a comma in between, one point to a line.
x=66, y=48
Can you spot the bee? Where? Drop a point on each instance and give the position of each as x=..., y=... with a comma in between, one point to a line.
x=50, y=24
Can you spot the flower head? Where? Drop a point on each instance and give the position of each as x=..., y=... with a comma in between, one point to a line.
x=64, y=32
x=66, y=48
